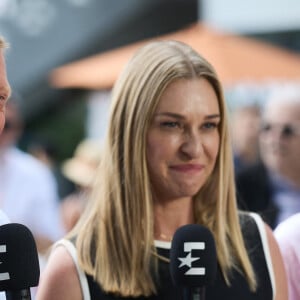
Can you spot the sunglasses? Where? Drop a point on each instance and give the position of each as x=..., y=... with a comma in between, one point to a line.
x=286, y=130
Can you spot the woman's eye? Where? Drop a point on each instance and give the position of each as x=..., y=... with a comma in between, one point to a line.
x=210, y=125
x=170, y=124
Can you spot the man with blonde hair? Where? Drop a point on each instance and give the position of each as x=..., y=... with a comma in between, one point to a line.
x=4, y=94
x=2, y=43
x=4, y=85
x=28, y=190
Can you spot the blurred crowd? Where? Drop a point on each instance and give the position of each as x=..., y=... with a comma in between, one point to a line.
x=266, y=143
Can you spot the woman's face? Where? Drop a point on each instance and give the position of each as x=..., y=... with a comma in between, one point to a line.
x=183, y=139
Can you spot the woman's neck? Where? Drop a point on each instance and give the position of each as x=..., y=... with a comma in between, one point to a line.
x=170, y=215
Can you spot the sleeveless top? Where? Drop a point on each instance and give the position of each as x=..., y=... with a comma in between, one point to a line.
x=258, y=250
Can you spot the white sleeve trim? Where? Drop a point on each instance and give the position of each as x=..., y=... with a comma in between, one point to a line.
x=264, y=239
x=82, y=277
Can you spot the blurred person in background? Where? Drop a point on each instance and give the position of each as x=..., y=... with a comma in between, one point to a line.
x=166, y=162
x=287, y=234
x=4, y=95
x=245, y=124
x=28, y=190
x=46, y=152
x=81, y=170
x=272, y=187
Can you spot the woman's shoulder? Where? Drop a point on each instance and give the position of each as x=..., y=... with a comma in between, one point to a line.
x=63, y=259
x=256, y=238
x=59, y=279
x=264, y=253
x=251, y=223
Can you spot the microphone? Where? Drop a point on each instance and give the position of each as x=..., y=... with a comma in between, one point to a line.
x=193, y=260
x=19, y=263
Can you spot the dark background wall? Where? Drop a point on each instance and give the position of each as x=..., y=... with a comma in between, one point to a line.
x=73, y=33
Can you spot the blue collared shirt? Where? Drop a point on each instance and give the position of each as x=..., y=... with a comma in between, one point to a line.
x=285, y=196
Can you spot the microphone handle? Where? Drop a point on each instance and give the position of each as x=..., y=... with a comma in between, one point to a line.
x=18, y=295
x=194, y=293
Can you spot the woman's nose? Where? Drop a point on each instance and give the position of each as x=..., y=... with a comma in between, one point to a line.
x=192, y=144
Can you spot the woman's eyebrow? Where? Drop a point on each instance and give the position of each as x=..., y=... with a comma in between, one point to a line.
x=179, y=116
x=169, y=114
x=215, y=116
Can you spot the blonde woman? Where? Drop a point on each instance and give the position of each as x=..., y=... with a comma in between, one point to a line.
x=166, y=162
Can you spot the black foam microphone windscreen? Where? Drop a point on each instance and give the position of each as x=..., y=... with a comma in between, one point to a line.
x=193, y=258
x=19, y=263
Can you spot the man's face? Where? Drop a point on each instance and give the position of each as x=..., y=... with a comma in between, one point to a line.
x=280, y=138
x=4, y=90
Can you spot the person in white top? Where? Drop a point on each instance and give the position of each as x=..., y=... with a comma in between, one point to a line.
x=28, y=189
x=288, y=236
x=3, y=218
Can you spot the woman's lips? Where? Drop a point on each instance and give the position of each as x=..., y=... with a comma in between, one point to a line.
x=188, y=168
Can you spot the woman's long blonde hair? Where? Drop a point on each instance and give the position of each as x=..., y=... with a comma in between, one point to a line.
x=115, y=234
